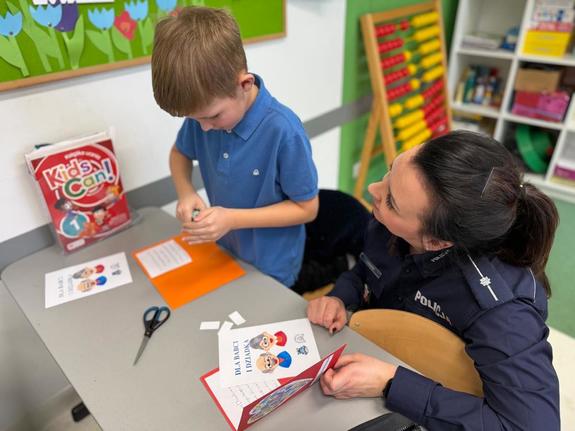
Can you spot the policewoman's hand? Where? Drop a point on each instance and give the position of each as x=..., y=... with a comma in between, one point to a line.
x=327, y=311
x=186, y=206
x=357, y=375
x=209, y=225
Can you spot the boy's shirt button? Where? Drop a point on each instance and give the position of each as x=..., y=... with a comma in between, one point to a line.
x=226, y=155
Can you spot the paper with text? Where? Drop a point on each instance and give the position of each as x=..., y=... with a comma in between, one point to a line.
x=85, y=279
x=272, y=351
x=164, y=257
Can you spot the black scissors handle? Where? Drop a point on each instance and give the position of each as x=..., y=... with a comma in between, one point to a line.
x=155, y=320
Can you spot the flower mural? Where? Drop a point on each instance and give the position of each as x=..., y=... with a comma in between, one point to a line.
x=63, y=35
x=47, y=16
x=73, y=23
x=103, y=20
x=138, y=11
x=10, y=27
x=123, y=33
x=166, y=6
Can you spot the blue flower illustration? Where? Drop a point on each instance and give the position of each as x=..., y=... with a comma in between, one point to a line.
x=11, y=25
x=101, y=18
x=137, y=10
x=48, y=16
x=166, y=5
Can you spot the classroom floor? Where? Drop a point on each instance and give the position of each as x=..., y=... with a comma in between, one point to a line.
x=561, y=271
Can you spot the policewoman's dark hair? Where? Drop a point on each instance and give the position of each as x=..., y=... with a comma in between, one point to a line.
x=480, y=203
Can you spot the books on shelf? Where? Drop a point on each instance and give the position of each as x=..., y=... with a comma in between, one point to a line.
x=479, y=85
x=79, y=181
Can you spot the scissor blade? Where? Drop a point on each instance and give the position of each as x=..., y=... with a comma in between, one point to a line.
x=142, y=347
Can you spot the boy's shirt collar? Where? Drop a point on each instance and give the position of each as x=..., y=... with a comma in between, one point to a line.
x=256, y=113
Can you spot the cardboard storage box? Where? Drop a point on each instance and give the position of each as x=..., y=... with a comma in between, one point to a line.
x=537, y=81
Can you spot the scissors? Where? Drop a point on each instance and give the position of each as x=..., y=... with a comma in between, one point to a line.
x=153, y=319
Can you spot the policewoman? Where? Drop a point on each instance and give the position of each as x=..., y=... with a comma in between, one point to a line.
x=456, y=237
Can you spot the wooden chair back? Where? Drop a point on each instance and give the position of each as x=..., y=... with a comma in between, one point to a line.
x=423, y=344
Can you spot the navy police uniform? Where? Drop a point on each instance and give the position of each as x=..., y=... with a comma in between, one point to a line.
x=499, y=310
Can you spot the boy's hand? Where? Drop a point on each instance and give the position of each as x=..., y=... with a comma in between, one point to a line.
x=210, y=225
x=327, y=311
x=186, y=206
x=357, y=375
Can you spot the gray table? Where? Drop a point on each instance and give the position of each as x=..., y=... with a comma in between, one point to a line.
x=94, y=341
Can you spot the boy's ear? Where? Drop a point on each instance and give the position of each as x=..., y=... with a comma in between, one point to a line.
x=433, y=244
x=247, y=81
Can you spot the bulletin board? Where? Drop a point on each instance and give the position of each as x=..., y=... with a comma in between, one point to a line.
x=68, y=38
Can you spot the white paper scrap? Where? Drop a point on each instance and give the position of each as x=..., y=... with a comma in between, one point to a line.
x=209, y=325
x=226, y=326
x=237, y=318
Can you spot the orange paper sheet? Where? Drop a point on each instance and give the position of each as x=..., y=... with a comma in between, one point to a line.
x=210, y=268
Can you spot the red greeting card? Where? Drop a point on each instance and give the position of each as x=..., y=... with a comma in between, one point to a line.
x=245, y=404
x=79, y=180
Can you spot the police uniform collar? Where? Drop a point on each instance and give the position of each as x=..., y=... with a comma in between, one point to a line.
x=429, y=263
x=256, y=113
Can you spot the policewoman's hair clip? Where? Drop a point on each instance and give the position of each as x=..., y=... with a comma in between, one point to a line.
x=487, y=181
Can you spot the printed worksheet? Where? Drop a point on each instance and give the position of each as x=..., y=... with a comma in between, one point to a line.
x=85, y=279
x=164, y=257
x=246, y=404
x=272, y=351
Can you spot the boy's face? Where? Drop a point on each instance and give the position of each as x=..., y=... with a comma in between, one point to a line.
x=224, y=113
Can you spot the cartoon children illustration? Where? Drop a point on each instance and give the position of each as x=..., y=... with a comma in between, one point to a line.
x=88, y=271
x=87, y=284
x=113, y=193
x=266, y=341
x=100, y=214
x=267, y=362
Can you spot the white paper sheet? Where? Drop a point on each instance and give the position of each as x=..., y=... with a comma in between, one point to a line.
x=163, y=258
x=233, y=399
x=85, y=279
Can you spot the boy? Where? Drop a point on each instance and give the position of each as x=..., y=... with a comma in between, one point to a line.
x=253, y=152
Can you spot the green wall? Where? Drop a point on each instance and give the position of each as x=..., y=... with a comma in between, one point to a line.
x=356, y=81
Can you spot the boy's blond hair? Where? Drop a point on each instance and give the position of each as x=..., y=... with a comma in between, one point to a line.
x=198, y=56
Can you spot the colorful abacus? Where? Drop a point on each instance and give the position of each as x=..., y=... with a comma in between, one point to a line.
x=406, y=58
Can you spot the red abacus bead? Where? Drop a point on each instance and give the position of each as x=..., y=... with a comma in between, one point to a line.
x=404, y=25
x=386, y=63
x=394, y=76
x=390, y=45
x=384, y=30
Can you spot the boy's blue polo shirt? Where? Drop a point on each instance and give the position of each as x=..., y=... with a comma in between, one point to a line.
x=264, y=160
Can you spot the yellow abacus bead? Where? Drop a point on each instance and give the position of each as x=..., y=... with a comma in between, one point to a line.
x=430, y=60
x=424, y=19
x=415, y=84
x=427, y=47
x=412, y=69
x=407, y=55
x=407, y=119
x=433, y=74
x=395, y=109
x=425, y=34
x=408, y=132
x=414, y=102
x=418, y=139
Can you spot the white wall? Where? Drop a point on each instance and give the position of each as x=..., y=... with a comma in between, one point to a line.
x=303, y=70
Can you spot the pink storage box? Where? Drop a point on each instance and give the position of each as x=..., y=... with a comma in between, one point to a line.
x=545, y=106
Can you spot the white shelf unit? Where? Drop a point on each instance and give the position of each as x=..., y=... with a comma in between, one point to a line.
x=497, y=16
